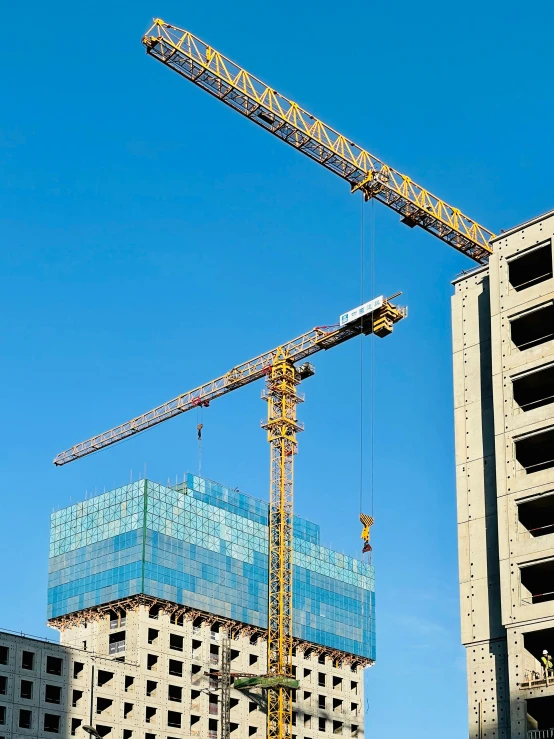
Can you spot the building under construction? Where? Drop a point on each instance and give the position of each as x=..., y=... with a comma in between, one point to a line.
x=503, y=328
x=157, y=593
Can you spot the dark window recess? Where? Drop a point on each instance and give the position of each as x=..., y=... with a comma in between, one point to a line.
x=233, y=702
x=536, y=452
x=354, y=730
x=539, y=714
x=28, y=660
x=235, y=654
x=537, y=515
x=150, y=713
x=78, y=667
x=52, y=723
x=127, y=733
x=117, y=642
x=2, y=715
x=307, y=672
x=174, y=719
x=152, y=662
x=129, y=683
x=337, y=682
x=75, y=723
x=321, y=659
x=104, y=678
x=194, y=719
x=103, y=730
x=321, y=679
x=212, y=728
x=3, y=685
x=294, y=670
x=294, y=718
x=252, y=730
x=76, y=697
x=337, y=704
x=103, y=705
x=196, y=644
x=534, y=389
x=127, y=709
x=154, y=611
x=4, y=655
x=354, y=687
x=149, y=736
x=177, y=619
x=321, y=701
x=151, y=686
x=322, y=723
x=54, y=665
x=538, y=580
x=175, y=693
x=533, y=328
x=253, y=658
x=531, y=267
x=233, y=727
x=25, y=719
x=176, y=642
x=337, y=727
x=176, y=668
x=26, y=689
x=195, y=669
x=52, y=694
x=153, y=635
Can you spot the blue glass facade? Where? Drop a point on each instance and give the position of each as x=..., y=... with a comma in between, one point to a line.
x=204, y=545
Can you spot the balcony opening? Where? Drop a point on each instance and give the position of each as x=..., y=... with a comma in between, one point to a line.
x=536, y=452
x=78, y=667
x=531, y=267
x=534, y=327
x=540, y=718
x=117, y=642
x=537, y=582
x=28, y=660
x=25, y=718
x=176, y=642
x=54, y=665
x=534, y=643
x=537, y=515
x=52, y=694
x=103, y=705
x=118, y=619
x=104, y=678
x=174, y=719
x=175, y=693
x=176, y=668
x=534, y=389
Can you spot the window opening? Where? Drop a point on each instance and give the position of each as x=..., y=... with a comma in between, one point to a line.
x=117, y=642
x=537, y=582
x=150, y=713
x=152, y=662
x=104, y=677
x=151, y=686
x=75, y=724
x=25, y=718
x=530, y=267
x=153, y=635
x=536, y=452
x=534, y=389
x=129, y=683
x=176, y=642
x=533, y=328
x=3, y=685
x=175, y=693
x=28, y=660
x=52, y=694
x=26, y=689
x=76, y=697
x=51, y=723
x=174, y=719
x=537, y=515
x=103, y=705
x=4, y=655
x=54, y=665
x=78, y=667
x=176, y=667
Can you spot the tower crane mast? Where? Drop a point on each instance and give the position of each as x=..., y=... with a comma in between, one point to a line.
x=200, y=63
x=378, y=317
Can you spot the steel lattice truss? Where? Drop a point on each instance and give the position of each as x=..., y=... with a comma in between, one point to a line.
x=209, y=69
x=254, y=369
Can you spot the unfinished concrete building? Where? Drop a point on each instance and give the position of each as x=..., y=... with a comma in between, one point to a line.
x=148, y=586
x=503, y=336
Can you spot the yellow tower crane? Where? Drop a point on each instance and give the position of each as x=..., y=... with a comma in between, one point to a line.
x=282, y=375
x=210, y=70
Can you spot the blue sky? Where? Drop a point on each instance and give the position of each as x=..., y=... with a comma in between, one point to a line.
x=152, y=239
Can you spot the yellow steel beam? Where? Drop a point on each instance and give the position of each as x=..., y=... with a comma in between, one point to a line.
x=209, y=69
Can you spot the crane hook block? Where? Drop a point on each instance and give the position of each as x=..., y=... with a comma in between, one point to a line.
x=367, y=522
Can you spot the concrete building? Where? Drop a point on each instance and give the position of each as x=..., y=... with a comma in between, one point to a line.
x=503, y=336
x=147, y=585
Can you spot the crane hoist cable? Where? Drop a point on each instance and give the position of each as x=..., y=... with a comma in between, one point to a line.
x=210, y=70
x=279, y=367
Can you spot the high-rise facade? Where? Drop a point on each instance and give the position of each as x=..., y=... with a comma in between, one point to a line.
x=503, y=343
x=148, y=585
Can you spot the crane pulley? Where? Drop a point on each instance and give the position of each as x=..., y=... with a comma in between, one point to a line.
x=200, y=63
x=282, y=375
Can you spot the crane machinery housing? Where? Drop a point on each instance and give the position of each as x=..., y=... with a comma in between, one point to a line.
x=278, y=366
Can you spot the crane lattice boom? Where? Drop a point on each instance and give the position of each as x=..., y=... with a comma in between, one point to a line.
x=209, y=69
x=303, y=346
